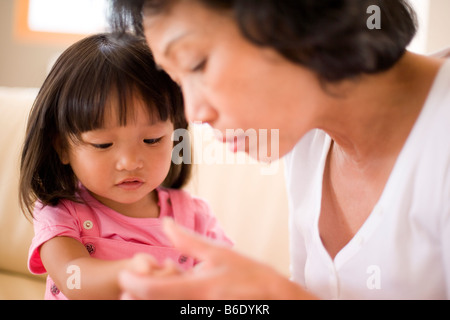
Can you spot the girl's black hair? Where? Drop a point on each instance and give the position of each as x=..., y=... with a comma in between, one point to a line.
x=330, y=37
x=74, y=98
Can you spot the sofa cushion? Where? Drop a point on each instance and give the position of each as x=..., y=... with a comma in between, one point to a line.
x=21, y=287
x=16, y=231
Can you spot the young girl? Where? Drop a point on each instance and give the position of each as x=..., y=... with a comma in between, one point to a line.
x=98, y=150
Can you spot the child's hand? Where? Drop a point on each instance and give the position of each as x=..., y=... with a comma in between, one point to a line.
x=222, y=274
x=142, y=264
x=145, y=265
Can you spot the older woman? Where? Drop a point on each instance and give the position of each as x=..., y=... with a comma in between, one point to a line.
x=363, y=125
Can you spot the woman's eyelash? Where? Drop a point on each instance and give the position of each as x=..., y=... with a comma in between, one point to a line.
x=200, y=66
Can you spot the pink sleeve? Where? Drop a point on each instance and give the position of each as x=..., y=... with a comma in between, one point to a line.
x=206, y=223
x=50, y=222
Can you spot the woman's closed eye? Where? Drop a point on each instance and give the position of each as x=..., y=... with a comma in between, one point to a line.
x=200, y=66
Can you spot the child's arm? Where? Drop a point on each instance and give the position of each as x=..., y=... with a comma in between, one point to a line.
x=98, y=278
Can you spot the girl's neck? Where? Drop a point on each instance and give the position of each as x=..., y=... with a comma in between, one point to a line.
x=147, y=207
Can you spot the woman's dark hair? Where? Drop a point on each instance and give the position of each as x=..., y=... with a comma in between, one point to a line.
x=330, y=37
x=74, y=98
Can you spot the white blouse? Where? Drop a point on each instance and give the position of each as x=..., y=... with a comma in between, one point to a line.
x=402, y=251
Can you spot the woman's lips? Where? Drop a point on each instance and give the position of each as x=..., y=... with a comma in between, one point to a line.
x=235, y=143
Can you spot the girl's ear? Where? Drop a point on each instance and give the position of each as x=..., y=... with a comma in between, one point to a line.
x=61, y=151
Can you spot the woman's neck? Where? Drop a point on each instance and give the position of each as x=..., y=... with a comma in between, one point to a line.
x=371, y=118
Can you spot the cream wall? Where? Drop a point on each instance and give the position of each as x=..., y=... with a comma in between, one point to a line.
x=438, y=25
x=434, y=24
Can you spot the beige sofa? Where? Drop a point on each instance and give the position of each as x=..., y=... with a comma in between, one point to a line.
x=15, y=231
x=250, y=204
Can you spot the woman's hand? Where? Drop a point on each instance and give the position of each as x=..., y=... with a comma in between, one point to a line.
x=223, y=274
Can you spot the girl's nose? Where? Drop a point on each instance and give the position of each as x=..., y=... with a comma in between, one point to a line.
x=129, y=160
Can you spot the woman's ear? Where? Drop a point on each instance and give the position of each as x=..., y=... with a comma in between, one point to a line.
x=61, y=151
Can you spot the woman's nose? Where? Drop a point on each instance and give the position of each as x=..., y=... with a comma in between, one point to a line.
x=129, y=159
x=197, y=107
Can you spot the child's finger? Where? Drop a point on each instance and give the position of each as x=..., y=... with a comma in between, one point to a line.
x=143, y=264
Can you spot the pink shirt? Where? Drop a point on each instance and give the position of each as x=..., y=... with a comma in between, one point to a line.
x=110, y=235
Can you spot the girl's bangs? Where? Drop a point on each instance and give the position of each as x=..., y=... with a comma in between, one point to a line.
x=102, y=86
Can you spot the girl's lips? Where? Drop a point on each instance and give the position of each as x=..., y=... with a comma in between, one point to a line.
x=130, y=184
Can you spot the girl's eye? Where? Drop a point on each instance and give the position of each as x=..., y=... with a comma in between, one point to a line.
x=152, y=141
x=102, y=145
